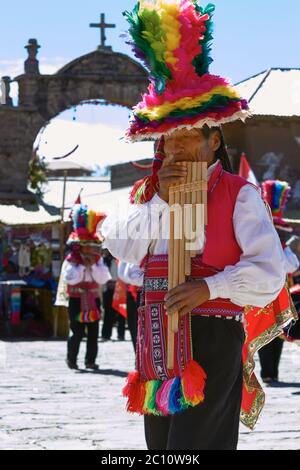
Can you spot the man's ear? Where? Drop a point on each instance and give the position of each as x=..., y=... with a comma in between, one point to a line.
x=215, y=141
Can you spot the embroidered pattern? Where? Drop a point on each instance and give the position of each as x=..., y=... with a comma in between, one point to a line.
x=158, y=284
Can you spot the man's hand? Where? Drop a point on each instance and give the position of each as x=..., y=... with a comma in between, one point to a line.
x=89, y=260
x=185, y=297
x=170, y=173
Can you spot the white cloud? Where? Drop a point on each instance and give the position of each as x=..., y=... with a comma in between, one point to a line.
x=14, y=67
x=11, y=67
x=98, y=144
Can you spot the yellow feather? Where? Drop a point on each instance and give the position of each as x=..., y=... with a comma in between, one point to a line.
x=169, y=19
x=91, y=221
x=159, y=112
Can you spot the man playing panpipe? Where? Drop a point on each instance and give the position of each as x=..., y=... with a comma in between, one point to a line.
x=237, y=275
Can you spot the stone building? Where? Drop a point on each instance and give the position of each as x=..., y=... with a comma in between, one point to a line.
x=270, y=139
x=102, y=74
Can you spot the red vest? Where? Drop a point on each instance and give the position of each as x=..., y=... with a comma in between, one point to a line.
x=221, y=248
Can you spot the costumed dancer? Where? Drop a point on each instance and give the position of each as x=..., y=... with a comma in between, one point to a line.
x=276, y=194
x=111, y=315
x=239, y=270
x=132, y=276
x=83, y=273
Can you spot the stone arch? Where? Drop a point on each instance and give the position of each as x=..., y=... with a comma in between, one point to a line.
x=102, y=74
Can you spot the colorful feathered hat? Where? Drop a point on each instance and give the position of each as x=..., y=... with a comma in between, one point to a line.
x=276, y=194
x=85, y=223
x=173, y=39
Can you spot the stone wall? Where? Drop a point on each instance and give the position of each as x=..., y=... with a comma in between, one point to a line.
x=101, y=74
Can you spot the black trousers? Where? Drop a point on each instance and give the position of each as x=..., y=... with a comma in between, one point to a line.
x=132, y=317
x=214, y=424
x=78, y=330
x=269, y=357
x=110, y=316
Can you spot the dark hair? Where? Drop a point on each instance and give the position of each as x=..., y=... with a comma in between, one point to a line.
x=221, y=153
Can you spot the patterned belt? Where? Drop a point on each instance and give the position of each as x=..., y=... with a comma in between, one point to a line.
x=81, y=290
x=218, y=308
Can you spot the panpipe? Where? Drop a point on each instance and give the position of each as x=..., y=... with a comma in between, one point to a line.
x=188, y=218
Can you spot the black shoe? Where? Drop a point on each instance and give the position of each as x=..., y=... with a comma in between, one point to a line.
x=104, y=340
x=72, y=365
x=92, y=366
x=270, y=380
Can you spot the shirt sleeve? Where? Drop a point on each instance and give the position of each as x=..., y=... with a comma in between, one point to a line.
x=130, y=274
x=291, y=261
x=72, y=274
x=129, y=236
x=100, y=272
x=259, y=276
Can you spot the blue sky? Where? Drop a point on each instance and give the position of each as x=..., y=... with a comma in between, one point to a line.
x=250, y=36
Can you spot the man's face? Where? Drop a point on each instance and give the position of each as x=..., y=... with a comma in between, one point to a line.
x=87, y=249
x=191, y=145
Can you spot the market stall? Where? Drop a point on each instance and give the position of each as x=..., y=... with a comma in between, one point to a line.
x=29, y=268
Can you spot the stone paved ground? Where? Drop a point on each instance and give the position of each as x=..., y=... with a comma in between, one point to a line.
x=44, y=405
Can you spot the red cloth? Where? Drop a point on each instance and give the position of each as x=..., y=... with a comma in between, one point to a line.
x=133, y=291
x=120, y=298
x=262, y=325
x=221, y=248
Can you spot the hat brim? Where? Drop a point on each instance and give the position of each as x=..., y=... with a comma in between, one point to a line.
x=199, y=123
x=74, y=239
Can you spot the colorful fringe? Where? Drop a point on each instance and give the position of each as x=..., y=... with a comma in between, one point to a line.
x=88, y=317
x=174, y=42
x=163, y=398
x=276, y=194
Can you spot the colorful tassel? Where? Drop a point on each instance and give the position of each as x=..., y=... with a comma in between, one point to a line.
x=276, y=194
x=144, y=190
x=135, y=391
x=88, y=317
x=163, y=398
x=150, y=406
x=193, y=383
x=176, y=402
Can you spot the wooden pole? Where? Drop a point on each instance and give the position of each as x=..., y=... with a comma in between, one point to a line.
x=62, y=222
x=170, y=343
x=188, y=222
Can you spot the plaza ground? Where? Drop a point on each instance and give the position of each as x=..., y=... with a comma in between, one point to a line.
x=44, y=405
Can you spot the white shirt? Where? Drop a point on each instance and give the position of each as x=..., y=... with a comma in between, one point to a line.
x=256, y=279
x=291, y=260
x=73, y=275
x=130, y=273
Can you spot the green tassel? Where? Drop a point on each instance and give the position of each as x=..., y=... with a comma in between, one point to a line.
x=150, y=399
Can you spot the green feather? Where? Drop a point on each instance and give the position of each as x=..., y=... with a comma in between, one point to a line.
x=216, y=103
x=149, y=42
x=203, y=60
x=153, y=32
